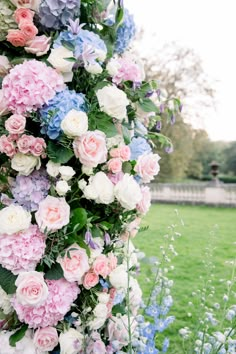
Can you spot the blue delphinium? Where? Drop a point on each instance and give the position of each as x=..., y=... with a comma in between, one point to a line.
x=79, y=40
x=125, y=33
x=56, y=13
x=138, y=147
x=54, y=112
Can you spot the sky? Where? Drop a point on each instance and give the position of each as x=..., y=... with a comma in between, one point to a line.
x=209, y=27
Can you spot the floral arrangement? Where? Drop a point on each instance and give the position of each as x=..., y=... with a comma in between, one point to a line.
x=77, y=131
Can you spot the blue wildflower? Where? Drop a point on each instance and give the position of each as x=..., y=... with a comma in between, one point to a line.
x=55, y=111
x=104, y=284
x=165, y=345
x=152, y=311
x=138, y=147
x=125, y=33
x=56, y=14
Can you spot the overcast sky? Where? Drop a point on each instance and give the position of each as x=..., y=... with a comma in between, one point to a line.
x=209, y=27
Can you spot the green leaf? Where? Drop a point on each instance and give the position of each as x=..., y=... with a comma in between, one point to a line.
x=105, y=225
x=68, y=45
x=55, y=272
x=18, y=335
x=58, y=153
x=7, y=280
x=119, y=308
x=101, y=84
x=71, y=59
x=147, y=105
x=78, y=219
x=126, y=134
x=106, y=126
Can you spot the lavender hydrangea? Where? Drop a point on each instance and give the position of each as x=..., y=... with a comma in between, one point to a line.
x=80, y=40
x=125, y=33
x=55, y=111
x=56, y=13
x=28, y=191
x=138, y=147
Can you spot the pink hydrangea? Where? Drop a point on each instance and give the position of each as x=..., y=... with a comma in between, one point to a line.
x=23, y=250
x=30, y=85
x=128, y=71
x=60, y=298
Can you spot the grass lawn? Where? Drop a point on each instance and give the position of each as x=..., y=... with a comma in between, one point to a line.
x=203, y=227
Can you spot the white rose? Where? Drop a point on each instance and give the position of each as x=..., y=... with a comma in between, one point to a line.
x=23, y=346
x=97, y=323
x=101, y=54
x=119, y=277
x=31, y=288
x=113, y=101
x=82, y=184
x=71, y=342
x=94, y=68
x=4, y=65
x=30, y=4
x=62, y=187
x=57, y=59
x=100, y=189
x=113, y=67
x=128, y=193
x=75, y=123
x=103, y=298
x=5, y=302
x=100, y=310
x=88, y=171
x=25, y=164
x=13, y=219
x=115, y=141
x=53, y=168
x=66, y=172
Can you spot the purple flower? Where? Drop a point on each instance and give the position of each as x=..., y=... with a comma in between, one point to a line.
x=28, y=191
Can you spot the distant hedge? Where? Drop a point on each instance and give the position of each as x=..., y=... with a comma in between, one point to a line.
x=225, y=179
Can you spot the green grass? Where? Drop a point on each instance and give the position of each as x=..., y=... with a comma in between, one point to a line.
x=202, y=226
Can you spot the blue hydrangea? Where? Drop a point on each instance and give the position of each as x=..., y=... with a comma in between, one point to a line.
x=54, y=112
x=138, y=147
x=125, y=33
x=79, y=40
x=56, y=13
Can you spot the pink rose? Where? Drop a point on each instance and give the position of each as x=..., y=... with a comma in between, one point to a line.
x=145, y=203
x=30, y=4
x=114, y=165
x=16, y=38
x=147, y=166
x=5, y=65
x=122, y=152
x=22, y=14
x=38, y=147
x=125, y=153
x=15, y=124
x=53, y=213
x=112, y=261
x=90, y=280
x=25, y=143
x=96, y=347
x=6, y=146
x=74, y=263
x=101, y=266
x=28, y=29
x=91, y=148
x=39, y=45
x=31, y=289
x=46, y=339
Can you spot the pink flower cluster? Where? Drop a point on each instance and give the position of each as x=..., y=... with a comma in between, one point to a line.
x=118, y=155
x=26, y=144
x=30, y=85
x=58, y=303
x=26, y=29
x=128, y=71
x=23, y=250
